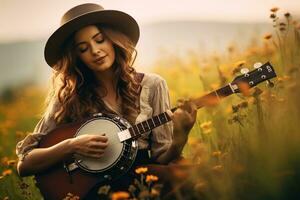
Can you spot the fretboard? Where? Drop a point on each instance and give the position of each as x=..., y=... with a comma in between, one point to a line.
x=212, y=98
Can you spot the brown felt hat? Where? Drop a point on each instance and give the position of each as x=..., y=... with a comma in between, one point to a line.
x=83, y=15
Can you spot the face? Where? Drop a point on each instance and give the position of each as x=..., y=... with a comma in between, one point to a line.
x=94, y=49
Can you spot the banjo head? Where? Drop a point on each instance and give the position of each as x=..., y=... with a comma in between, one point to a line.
x=110, y=125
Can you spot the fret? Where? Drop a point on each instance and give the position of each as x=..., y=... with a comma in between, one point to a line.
x=151, y=122
x=218, y=97
x=140, y=128
x=146, y=126
x=214, y=97
x=131, y=131
x=206, y=100
x=167, y=116
x=136, y=131
x=225, y=91
x=156, y=121
x=162, y=118
x=159, y=119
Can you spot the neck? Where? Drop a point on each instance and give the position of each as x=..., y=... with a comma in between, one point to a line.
x=106, y=78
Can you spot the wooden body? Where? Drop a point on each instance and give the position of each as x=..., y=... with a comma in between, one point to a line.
x=58, y=181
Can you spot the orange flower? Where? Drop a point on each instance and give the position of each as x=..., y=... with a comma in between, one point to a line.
x=274, y=9
x=7, y=172
x=151, y=178
x=4, y=160
x=244, y=88
x=287, y=15
x=120, y=195
x=267, y=36
x=141, y=170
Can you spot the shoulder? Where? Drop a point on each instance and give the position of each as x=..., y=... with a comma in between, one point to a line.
x=152, y=80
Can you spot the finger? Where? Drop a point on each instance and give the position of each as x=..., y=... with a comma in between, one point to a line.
x=99, y=145
x=96, y=151
x=194, y=108
x=180, y=102
x=190, y=106
x=90, y=155
x=170, y=114
x=101, y=138
x=95, y=155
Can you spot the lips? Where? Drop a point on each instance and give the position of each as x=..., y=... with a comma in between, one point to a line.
x=99, y=60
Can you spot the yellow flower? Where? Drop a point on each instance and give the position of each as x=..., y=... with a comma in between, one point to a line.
x=206, y=127
x=141, y=170
x=207, y=131
x=193, y=141
x=239, y=63
x=216, y=153
x=217, y=168
x=228, y=110
x=7, y=172
x=11, y=162
x=200, y=186
x=215, y=86
x=104, y=189
x=155, y=192
x=120, y=195
x=151, y=178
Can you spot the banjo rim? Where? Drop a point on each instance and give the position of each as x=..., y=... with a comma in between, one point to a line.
x=122, y=124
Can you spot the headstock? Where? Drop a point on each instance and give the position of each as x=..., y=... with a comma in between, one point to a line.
x=261, y=73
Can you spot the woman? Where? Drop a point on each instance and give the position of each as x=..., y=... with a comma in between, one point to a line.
x=92, y=53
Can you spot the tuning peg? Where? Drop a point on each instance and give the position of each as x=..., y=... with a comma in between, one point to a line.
x=270, y=84
x=257, y=65
x=244, y=70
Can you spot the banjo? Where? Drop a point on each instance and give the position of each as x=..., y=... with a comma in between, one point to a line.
x=78, y=174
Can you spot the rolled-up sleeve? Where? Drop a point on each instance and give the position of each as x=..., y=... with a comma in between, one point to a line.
x=31, y=141
x=162, y=136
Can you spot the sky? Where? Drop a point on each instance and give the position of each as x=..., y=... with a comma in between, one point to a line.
x=25, y=20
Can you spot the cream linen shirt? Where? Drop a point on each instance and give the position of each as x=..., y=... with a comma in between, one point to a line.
x=154, y=99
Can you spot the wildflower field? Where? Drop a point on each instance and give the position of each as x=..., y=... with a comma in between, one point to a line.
x=248, y=145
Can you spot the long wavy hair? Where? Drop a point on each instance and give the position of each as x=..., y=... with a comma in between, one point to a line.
x=77, y=94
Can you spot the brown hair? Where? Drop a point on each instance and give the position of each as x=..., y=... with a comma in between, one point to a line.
x=74, y=85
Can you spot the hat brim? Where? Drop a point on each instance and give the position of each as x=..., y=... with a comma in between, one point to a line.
x=112, y=18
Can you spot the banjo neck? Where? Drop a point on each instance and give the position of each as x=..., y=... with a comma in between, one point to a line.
x=241, y=83
x=145, y=126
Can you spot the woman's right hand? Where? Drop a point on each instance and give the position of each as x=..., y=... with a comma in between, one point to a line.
x=89, y=145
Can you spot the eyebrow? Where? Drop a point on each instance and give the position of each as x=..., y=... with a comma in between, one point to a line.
x=79, y=43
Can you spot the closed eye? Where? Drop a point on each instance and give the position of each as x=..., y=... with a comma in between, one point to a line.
x=82, y=50
x=99, y=40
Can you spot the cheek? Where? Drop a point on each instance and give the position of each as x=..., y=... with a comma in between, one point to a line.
x=113, y=55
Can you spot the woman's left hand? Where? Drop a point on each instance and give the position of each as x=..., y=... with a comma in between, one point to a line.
x=183, y=119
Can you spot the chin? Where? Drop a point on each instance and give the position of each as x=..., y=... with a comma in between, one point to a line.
x=101, y=68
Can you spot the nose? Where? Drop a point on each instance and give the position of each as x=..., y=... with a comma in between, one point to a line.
x=95, y=50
